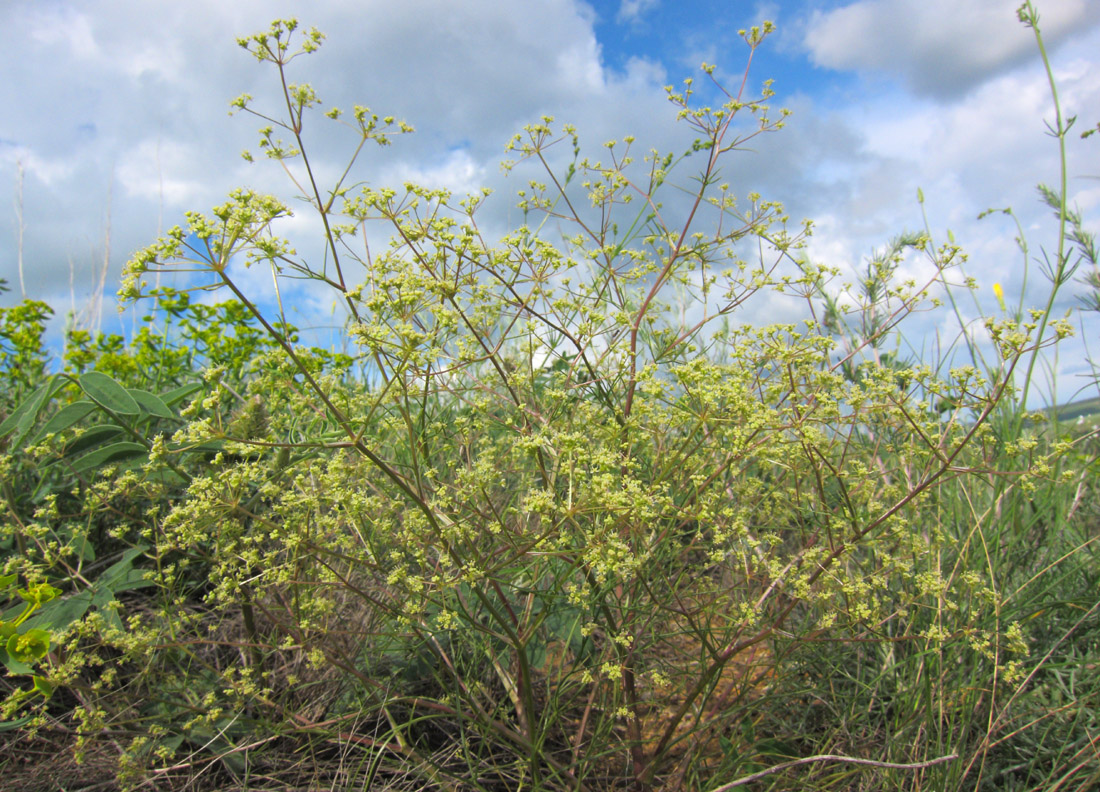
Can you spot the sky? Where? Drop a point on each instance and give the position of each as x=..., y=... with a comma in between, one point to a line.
x=116, y=120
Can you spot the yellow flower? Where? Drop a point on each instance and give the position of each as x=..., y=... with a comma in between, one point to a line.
x=1000, y=293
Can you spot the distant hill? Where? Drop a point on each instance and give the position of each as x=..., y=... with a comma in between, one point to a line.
x=1079, y=417
x=1086, y=408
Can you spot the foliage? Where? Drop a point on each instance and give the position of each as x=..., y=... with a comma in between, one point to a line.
x=22, y=355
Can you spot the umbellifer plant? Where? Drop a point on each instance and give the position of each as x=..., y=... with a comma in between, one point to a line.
x=550, y=536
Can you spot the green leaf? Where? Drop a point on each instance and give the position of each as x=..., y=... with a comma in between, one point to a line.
x=29, y=647
x=206, y=447
x=116, y=452
x=179, y=394
x=173, y=743
x=56, y=616
x=150, y=403
x=97, y=435
x=121, y=576
x=39, y=594
x=85, y=549
x=776, y=748
x=59, y=614
x=23, y=418
x=748, y=730
x=15, y=724
x=7, y=580
x=12, y=421
x=105, y=391
x=42, y=685
x=101, y=601
x=66, y=417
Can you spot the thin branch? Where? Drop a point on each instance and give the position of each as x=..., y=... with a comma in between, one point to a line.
x=833, y=758
x=20, y=225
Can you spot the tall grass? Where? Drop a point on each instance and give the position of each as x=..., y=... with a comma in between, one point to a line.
x=1029, y=724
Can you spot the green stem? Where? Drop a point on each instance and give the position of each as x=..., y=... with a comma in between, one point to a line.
x=1030, y=17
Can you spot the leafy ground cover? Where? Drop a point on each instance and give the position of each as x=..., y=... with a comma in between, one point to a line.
x=555, y=520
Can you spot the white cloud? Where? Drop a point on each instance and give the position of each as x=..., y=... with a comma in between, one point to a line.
x=45, y=171
x=1086, y=200
x=458, y=172
x=579, y=68
x=938, y=47
x=65, y=27
x=633, y=10
x=94, y=85
x=158, y=170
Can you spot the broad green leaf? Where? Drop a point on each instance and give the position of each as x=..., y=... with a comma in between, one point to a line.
x=121, y=576
x=42, y=685
x=101, y=601
x=179, y=394
x=66, y=417
x=29, y=647
x=116, y=452
x=104, y=390
x=129, y=580
x=173, y=743
x=219, y=738
x=7, y=580
x=168, y=478
x=12, y=421
x=56, y=616
x=85, y=549
x=59, y=614
x=97, y=435
x=150, y=403
x=23, y=418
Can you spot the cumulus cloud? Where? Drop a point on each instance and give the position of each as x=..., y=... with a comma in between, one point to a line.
x=458, y=172
x=939, y=48
x=135, y=94
x=155, y=170
x=633, y=10
x=123, y=104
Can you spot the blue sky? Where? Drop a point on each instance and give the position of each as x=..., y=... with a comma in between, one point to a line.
x=678, y=36
x=116, y=110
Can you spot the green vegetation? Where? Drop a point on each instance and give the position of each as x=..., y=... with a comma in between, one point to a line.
x=556, y=521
